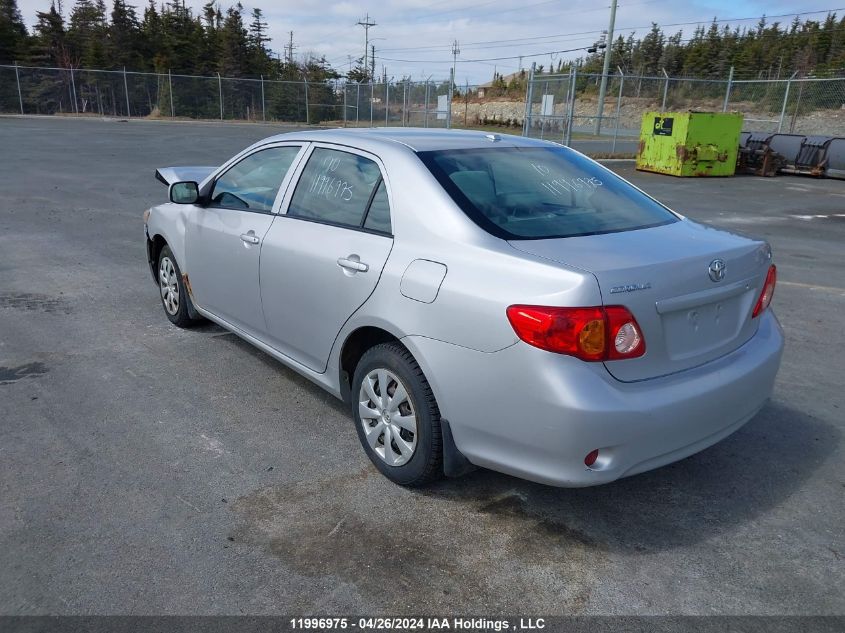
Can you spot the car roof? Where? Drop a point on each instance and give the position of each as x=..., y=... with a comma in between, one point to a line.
x=416, y=139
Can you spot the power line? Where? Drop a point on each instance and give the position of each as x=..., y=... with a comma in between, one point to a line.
x=516, y=41
x=486, y=59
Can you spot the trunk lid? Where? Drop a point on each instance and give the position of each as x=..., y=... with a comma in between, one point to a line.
x=662, y=275
x=169, y=175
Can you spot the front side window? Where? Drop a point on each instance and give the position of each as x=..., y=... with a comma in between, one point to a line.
x=253, y=182
x=539, y=193
x=337, y=187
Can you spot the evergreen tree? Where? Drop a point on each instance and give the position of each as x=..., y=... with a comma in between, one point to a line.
x=87, y=34
x=48, y=45
x=124, y=37
x=234, y=44
x=13, y=35
x=360, y=72
x=650, y=50
x=259, y=58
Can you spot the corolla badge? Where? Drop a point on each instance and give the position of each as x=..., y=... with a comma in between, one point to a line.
x=717, y=270
x=630, y=288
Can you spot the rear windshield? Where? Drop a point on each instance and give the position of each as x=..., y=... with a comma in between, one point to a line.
x=539, y=193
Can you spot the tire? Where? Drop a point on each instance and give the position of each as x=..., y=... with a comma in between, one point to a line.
x=174, y=297
x=416, y=409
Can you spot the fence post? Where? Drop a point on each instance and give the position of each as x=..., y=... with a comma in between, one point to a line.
x=728, y=90
x=529, y=96
x=18, y=80
x=570, y=118
x=618, y=107
x=263, y=105
x=220, y=93
x=307, y=109
x=73, y=88
x=665, y=90
x=426, y=103
x=170, y=85
x=357, y=103
x=785, y=99
x=404, y=103
x=345, y=85
x=466, y=102
x=386, y=102
x=372, y=97
x=126, y=92
x=449, y=98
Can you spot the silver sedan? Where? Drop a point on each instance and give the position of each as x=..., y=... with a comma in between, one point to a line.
x=477, y=299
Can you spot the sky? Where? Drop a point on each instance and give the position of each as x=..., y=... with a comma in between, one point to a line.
x=414, y=37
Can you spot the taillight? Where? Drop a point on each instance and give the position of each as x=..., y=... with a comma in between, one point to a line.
x=591, y=334
x=767, y=293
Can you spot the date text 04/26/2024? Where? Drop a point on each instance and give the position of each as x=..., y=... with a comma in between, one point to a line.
x=419, y=624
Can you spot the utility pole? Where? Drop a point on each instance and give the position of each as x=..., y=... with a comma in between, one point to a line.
x=289, y=48
x=366, y=23
x=372, y=62
x=606, y=69
x=456, y=50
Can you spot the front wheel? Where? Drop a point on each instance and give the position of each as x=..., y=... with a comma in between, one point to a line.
x=396, y=416
x=174, y=297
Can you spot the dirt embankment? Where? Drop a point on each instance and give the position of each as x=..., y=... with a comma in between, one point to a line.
x=504, y=112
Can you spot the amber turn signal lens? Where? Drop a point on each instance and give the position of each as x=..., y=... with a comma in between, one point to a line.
x=591, y=337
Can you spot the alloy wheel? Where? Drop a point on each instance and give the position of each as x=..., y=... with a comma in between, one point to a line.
x=168, y=283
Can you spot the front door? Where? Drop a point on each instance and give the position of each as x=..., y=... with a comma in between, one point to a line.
x=223, y=239
x=322, y=259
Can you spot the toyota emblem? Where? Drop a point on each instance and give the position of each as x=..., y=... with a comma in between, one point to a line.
x=717, y=270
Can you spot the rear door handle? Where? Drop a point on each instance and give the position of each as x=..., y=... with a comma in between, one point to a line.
x=352, y=264
x=250, y=238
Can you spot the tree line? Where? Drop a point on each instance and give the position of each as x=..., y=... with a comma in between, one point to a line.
x=163, y=37
x=170, y=37
x=765, y=51
x=810, y=48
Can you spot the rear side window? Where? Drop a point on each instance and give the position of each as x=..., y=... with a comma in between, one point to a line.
x=540, y=193
x=253, y=182
x=336, y=188
x=378, y=217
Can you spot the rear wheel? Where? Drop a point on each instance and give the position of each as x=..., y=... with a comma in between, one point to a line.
x=396, y=416
x=174, y=297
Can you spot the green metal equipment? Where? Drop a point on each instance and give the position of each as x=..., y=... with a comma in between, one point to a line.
x=689, y=143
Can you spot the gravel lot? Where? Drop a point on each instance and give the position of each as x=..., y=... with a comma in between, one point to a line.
x=145, y=469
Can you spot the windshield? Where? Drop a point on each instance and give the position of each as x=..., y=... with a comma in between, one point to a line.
x=540, y=193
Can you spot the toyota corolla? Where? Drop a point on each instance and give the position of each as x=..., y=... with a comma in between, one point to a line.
x=477, y=299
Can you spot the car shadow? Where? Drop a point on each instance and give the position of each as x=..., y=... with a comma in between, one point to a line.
x=752, y=471
x=230, y=338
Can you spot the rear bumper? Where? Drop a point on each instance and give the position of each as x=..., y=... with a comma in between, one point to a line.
x=536, y=415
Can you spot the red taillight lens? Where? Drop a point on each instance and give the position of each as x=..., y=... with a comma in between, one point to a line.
x=767, y=293
x=591, y=334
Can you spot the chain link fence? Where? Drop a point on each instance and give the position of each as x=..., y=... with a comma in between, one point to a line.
x=556, y=106
x=51, y=91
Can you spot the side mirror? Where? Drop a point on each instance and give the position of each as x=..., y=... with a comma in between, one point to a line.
x=184, y=192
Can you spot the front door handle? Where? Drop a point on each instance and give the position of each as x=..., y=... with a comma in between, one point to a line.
x=353, y=263
x=250, y=238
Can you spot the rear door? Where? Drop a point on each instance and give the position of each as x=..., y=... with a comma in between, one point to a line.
x=322, y=258
x=223, y=239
